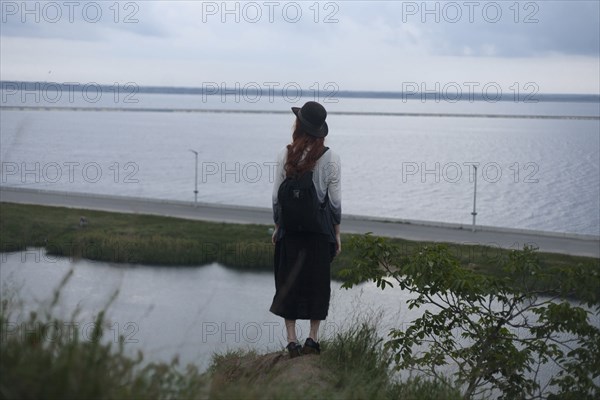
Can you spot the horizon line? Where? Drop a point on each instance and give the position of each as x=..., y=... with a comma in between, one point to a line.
x=378, y=94
x=249, y=111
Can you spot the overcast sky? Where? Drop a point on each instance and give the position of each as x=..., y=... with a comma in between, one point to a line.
x=358, y=45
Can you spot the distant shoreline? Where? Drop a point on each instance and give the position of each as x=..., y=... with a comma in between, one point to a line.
x=352, y=113
x=209, y=90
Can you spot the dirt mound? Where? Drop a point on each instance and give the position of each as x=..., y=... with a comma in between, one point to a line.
x=270, y=376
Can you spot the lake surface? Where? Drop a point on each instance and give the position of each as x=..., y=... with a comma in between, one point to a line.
x=532, y=173
x=190, y=311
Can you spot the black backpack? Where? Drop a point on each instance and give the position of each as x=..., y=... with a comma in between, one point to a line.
x=299, y=206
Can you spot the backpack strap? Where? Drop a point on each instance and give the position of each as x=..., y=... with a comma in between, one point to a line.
x=326, y=199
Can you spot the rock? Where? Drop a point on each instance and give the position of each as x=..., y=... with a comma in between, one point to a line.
x=270, y=375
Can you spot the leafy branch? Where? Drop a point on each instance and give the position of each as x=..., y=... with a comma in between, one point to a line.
x=497, y=331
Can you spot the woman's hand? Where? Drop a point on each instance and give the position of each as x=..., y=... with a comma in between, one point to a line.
x=274, y=237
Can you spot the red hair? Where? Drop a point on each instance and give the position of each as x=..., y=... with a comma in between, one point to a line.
x=296, y=164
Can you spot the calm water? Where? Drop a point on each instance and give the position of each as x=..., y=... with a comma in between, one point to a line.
x=191, y=311
x=533, y=173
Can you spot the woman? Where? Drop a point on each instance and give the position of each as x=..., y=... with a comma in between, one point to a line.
x=302, y=258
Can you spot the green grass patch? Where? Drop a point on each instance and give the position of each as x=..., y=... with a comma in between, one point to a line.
x=134, y=238
x=156, y=240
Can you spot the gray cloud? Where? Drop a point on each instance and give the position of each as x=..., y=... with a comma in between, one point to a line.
x=369, y=46
x=77, y=20
x=526, y=30
x=562, y=27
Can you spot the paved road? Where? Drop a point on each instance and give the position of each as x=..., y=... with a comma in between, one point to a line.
x=583, y=245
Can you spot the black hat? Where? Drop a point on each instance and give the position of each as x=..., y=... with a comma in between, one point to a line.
x=312, y=116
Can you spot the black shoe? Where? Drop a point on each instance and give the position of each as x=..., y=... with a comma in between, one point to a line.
x=294, y=349
x=311, y=347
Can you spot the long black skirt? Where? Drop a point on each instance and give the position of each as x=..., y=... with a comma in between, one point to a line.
x=302, y=276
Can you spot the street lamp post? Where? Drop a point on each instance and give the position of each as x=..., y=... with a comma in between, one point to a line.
x=195, y=179
x=474, y=213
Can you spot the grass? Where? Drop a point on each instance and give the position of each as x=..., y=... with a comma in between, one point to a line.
x=133, y=238
x=37, y=364
x=40, y=361
x=156, y=240
x=353, y=365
